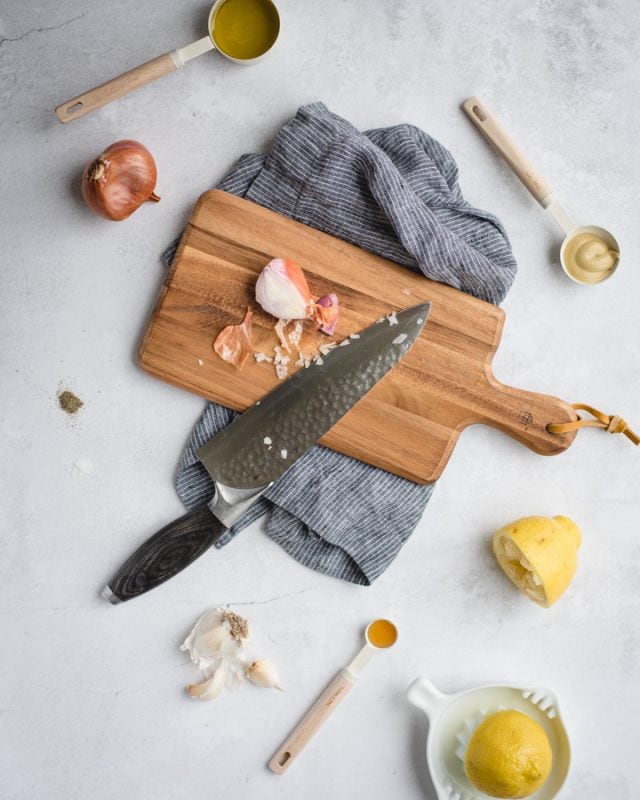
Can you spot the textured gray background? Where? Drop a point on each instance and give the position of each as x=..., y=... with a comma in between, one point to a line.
x=91, y=701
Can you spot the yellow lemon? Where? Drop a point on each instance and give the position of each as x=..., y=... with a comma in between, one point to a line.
x=508, y=755
x=540, y=555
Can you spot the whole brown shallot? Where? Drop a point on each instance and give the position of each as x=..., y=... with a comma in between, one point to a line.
x=120, y=180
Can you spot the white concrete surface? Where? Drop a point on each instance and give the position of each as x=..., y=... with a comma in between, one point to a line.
x=92, y=696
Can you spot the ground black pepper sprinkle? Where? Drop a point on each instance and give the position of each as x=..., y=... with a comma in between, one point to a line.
x=69, y=402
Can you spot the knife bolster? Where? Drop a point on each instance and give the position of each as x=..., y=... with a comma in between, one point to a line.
x=228, y=503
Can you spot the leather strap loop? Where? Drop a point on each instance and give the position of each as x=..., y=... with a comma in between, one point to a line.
x=611, y=424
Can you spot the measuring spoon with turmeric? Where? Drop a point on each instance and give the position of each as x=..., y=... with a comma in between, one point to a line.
x=380, y=635
x=241, y=30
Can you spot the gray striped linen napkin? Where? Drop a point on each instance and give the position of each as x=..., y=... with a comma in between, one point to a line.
x=393, y=191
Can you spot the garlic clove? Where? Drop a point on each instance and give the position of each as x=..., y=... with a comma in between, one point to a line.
x=210, y=688
x=282, y=290
x=264, y=673
x=233, y=343
x=215, y=642
x=326, y=313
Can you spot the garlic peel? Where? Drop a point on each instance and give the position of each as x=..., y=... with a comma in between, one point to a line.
x=263, y=673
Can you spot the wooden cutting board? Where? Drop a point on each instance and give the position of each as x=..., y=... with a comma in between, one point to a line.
x=409, y=423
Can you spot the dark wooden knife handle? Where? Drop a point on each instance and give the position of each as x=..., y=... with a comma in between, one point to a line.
x=165, y=554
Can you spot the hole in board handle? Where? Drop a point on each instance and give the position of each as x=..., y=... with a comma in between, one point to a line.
x=479, y=113
x=72, y=109
x=284, y=758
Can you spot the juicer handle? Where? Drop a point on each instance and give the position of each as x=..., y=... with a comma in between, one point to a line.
x=423, y=694
x=312, y=721
x=116, y=87
x=492, y=130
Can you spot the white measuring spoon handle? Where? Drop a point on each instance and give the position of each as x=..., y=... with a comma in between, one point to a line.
x=312, y=721
x=489, y=126
x=131, y=80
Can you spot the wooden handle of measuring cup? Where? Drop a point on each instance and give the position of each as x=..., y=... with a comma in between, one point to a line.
x=311, y=721
x=115, y=88
x=492, y=130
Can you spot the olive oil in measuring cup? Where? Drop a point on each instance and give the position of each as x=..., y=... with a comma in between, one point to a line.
x=240, y=30
x=245, y=29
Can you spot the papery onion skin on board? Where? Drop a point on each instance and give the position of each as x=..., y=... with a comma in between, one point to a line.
x=233, y=343
x=326, y=313
x=120, y=180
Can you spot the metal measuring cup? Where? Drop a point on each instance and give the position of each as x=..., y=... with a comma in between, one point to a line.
x=158, y=67
x=496, y=134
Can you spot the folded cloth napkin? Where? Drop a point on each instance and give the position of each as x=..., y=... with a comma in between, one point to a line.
x=393, y=191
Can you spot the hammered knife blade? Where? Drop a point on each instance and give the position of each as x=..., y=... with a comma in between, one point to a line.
x=260, y=445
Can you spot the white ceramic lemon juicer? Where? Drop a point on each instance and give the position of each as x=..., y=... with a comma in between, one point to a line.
x=454, y=717
x=589, y=254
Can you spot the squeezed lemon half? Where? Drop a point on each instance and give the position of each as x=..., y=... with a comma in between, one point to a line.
x=540, y=555
x=508, y=755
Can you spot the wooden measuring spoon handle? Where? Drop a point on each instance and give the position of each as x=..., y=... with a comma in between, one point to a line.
x=525, y=417
x=489, y=126
x=116, y=87
x=311, y=721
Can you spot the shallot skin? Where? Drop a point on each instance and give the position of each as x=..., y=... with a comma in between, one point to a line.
x=119, y=180
x=326, y=313
x=233, y=343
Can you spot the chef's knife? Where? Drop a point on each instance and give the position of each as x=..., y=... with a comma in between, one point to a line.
x=260, y=445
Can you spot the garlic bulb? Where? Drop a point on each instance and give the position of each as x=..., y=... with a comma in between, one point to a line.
x=216, y=645
x=282, y=290
x=264, y=673
x=217, y=634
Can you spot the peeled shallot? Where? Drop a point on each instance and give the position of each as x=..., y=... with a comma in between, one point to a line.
x=282, y=291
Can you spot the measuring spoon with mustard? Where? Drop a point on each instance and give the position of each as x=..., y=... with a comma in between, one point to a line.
x=589, y=254
x=240, y=30
x=380, y=635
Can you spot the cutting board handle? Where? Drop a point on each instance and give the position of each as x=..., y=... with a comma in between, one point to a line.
x=525, y=416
